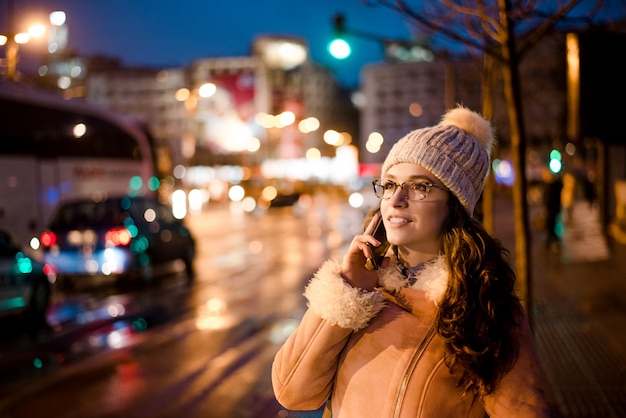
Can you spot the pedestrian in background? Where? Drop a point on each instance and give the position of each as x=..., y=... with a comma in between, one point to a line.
x=437, y=331
x=553, y=187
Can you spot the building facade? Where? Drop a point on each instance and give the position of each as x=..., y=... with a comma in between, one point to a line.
x=195, y=129
x=148, y=95
x=400, y=97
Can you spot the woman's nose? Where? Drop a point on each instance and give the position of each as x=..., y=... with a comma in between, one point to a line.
x=399, y=198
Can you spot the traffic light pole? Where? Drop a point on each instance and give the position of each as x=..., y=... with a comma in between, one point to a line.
x=395, y=49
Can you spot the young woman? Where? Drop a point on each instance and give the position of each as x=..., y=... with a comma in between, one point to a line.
x=437, y=331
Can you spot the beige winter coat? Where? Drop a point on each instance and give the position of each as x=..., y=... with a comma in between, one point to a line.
x=375, y=358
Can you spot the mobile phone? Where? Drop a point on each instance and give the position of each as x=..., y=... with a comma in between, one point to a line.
x=379, y=252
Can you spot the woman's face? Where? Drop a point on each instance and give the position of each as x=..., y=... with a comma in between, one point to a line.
x=415, y=224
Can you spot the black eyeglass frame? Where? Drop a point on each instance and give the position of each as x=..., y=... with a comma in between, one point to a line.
x=428, y=184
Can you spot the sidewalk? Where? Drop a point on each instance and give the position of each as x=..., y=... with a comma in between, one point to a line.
x=579, y=316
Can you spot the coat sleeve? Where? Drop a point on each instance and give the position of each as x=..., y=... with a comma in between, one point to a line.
x=304, y=368
x=520, y=394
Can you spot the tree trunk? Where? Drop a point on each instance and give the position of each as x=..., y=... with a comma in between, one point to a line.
x=512, y=92
x=487, y=83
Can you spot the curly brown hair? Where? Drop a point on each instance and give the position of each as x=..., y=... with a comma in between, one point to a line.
x=480, y=309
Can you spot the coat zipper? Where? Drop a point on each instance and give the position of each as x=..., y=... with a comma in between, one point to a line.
x=405, y=381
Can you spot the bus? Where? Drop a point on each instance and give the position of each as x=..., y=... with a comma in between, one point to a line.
x=53, y=149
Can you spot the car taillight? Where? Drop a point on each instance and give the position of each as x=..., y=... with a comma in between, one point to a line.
x=51, y=273
x=48, y=239
x=118, y=237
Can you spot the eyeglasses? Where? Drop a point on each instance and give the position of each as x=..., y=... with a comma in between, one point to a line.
x=412, y=190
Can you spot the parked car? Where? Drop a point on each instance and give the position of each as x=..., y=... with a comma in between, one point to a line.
x=122, y=237
x=25, y=284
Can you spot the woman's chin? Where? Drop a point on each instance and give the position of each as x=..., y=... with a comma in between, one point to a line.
x=397, y=241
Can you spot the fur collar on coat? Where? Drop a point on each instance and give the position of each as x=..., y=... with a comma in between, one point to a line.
x=334, y=300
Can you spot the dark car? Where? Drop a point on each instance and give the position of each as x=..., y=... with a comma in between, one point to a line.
x=25, y=284
x=120, y=237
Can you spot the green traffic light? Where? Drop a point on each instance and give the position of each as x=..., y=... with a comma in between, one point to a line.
x=555, y=153
x=555, y=165
x=339, y=48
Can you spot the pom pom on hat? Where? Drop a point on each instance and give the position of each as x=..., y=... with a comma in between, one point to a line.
x=472, y=124
x=457, y=151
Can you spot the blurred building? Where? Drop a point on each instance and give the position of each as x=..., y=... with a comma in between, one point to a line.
x=402, y=96
x=61, y=68
x=217, y=128
x=331, y=102
x=147, y=94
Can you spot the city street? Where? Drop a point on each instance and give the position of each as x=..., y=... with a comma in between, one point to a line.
x=173, y=175
x=206, y=350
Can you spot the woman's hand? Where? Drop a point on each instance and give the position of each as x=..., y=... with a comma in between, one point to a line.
x=353, y=266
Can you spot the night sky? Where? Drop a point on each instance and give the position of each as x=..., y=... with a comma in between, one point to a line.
x=175, y=33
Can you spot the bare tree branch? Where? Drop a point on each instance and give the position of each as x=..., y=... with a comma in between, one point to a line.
x=402, y=8
x=529, y=39
x=477, y=21
x=478, y=11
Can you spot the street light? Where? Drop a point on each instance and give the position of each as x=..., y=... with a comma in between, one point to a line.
x=12, y=40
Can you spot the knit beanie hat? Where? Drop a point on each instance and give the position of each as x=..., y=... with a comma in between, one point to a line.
x=457, y=151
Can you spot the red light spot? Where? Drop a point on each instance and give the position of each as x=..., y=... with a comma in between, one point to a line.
x=51, y=272
x=48, y=239
x=117, y=237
